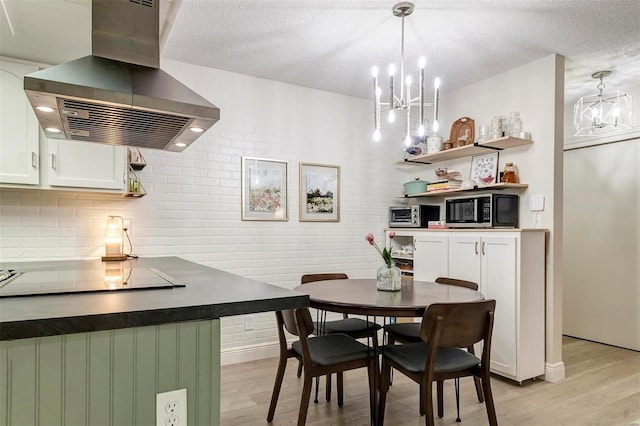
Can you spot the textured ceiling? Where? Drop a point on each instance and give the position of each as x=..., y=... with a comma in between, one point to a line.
x=332, y=45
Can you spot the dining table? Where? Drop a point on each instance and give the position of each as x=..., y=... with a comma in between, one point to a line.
x=360, y=296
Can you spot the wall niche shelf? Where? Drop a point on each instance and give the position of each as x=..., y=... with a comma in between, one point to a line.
x=493, y=186
x=468, y=150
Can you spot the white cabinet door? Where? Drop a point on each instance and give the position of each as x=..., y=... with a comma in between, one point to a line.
x=500, y=282
x=430, y=257
x=18, y=127
x=86, y=165
x=464, y=258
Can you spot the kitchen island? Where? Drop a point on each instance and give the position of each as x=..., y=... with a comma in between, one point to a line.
x=101, y=358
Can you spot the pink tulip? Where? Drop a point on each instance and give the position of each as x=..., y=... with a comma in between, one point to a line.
x=369, y=238
x=392, y=234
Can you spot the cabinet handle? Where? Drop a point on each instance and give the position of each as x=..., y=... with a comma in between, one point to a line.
x=34, y=160
x=54, y=162
x=124, y=178
x=476, y=246
x=483, y=248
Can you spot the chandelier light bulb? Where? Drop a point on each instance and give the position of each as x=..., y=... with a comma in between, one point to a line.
x=421, y=130
x=392, y=69
x=422, y=62
x=376, y=135
x=407, y=141
x=436, y=126
x=392, y=116
x=408, y=80
x=374, y=71
x=436, y=83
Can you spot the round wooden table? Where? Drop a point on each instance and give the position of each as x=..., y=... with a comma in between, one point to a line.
x=360, y=296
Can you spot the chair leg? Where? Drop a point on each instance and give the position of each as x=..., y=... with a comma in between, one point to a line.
x=282, y=365
x=299, y=368
x=315, y=401
x=488, y=401
x=384, y=387
x=340, y=381
x=304, y=400
x=428, y=405
x=372, y=374
x=440, y=388
x=476, y=380
x=456, y=384
x=327, y=390
x=421, y=401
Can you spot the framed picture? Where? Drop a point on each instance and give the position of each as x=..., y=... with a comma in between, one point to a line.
x=484, y=168
x=319, y=193
x=264, y=189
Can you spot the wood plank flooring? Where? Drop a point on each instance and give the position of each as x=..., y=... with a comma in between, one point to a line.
x=602, y=387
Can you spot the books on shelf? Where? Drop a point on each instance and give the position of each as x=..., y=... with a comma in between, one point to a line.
x=443, y=185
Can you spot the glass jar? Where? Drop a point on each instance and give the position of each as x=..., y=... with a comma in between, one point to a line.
x=510, y=175
x=388, y=279
x=515, y=124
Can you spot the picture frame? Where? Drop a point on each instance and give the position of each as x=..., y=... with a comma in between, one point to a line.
x=484, y=168
x=264, y=189
x=319, y=193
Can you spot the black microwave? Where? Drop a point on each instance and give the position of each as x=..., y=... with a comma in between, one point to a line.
x=482, y=211
x=415, y=216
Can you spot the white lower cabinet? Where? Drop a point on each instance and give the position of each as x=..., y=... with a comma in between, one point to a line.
x=509, y=266
x=430, y=257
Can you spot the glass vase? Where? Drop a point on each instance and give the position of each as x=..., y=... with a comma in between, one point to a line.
x=388, y=279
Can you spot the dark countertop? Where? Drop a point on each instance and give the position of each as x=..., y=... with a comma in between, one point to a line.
x=209, y=294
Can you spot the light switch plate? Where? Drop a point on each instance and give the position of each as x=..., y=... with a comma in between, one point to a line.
x=536, y=203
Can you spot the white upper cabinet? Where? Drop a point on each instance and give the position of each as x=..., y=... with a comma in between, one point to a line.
x=86, y=165
x=27, y=157
x=18, y=127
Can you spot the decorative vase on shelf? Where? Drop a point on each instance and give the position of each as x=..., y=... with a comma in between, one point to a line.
x=388, y=278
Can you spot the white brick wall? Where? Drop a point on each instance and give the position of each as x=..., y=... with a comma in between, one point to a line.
x=192, y=209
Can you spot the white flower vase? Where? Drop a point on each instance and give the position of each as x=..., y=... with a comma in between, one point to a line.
x=388, y=279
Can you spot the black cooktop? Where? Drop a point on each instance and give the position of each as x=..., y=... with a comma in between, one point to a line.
x=14, y=283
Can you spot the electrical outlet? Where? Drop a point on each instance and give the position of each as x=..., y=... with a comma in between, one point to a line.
x=171, y=408
x=248, y=322
x=126, y=224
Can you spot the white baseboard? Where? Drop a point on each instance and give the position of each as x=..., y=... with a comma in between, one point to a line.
x=249, y=353
x=554, y=372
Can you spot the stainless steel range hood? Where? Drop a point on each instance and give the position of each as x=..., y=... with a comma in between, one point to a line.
x=118, y=95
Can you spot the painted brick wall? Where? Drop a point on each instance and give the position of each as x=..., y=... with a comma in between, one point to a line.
x=192, y=209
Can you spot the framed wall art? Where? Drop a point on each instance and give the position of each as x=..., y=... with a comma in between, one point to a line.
x=484, y=168
x=319, y=193
x=264, y=189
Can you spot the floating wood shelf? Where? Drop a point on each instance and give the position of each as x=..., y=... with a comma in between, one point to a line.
x=489, y=187
x=467, y=150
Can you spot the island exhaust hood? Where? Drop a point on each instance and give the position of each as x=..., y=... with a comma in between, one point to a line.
x=118, y=95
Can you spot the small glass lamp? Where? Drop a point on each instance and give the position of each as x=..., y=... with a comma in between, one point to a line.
x=113, y=239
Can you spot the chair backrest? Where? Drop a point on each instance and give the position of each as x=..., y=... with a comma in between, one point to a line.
x=458, y=325
x=460, y=283
x=322, y=277
x=288, y=321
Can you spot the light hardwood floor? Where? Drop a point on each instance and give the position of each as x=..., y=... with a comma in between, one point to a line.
x=602, y=387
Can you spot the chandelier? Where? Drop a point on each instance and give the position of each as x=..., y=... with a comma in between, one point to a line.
x=404, y=101
x=602, y=112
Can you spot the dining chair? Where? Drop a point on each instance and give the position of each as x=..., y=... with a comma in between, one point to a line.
x=320, y=355
x=444, y=330
x=354, y=327
x=410, y=333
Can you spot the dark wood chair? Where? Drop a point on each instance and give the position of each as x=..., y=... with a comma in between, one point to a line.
x=445, y=329
x=354, y=327
x=410, y=333
x=320, y=355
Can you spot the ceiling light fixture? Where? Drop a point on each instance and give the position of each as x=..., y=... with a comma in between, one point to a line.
x=44, y=108
x=404, y=101
x=53, y=130
x=603, y=112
